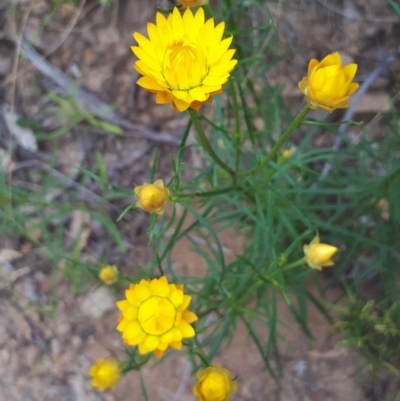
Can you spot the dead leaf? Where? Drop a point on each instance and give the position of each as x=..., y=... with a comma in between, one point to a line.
x=24, y=136
x=80, y=228
x=8, y=255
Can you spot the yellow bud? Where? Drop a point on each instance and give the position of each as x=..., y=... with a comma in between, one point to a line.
x=192, y=3
x=214, y=384
x=105, y=374
x=287, y=154
x=108, y=274
x=152, y=197
x=328, y=85
x=319, y=255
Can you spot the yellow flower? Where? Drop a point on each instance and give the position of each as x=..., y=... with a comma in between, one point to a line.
x=108, y=274
x=214, y=384
x=287, y=154
x=105, y=374
x=152, y=197
x=193, y=3
x=319, y=255
x=185, y=60
x=329, y=85
x=155, y=316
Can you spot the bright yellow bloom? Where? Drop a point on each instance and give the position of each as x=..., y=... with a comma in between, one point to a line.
x=193, y=3
x=152, y=197
x=155, y=316
x=214, y=384
x=185, y=60
x=319, y=255
x=105, y=374
x=329, y=85
x=108, y=274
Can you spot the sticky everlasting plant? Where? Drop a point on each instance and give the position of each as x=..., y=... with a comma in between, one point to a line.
x=251, y=181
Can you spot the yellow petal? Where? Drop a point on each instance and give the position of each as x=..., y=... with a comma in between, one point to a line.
x=123, y=305
x=181, y=105
x=186, y=329
x=130, y=313
x=133, y=329
x=188, y=316
x=150, y=83
x=198, y=94
x=177, y=345
x=142, y=292
x=131, y=297
x=151, y=342
x=163, y=288
x=311, y=65
x=176, y=297
x=177, y=23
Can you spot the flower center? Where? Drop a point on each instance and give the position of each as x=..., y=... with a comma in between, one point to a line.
x=156, y=315
x=184, y=65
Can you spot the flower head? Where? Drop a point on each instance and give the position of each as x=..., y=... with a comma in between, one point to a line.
x=319, y=255
x=105, y=374
x=287, y=154
x=192, y=3
x=155, y=316
x=329, y=85
x=185, y=60
x=152, y=197
x=108, y=274
x=214, y=384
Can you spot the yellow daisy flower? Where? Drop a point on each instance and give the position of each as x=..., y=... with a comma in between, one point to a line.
x=328, y=85
x=185, y=60
x=108, y=274
x=105, y=374
x=152, y=197
x=155, y=316
x=214, y=384
x=319, y=255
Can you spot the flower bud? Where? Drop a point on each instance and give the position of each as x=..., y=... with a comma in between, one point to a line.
x=152, y=197
x=328, y=85
x=108, y=274
x=214, y=384
x=287, y=154
x=105, y=374
x=319, y=255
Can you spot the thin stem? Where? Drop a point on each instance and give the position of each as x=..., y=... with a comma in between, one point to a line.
x=280, y=142
x=293, y=264
x=237, y=125
x=200, y=353
x=205, y=144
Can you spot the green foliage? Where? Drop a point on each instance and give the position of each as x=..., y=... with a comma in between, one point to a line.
x=375, y=330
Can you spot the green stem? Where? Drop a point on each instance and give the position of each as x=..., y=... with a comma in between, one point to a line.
x=205, y=144
x=280, y=142
x=235, y=106
x=200, y=353
x=293, y=264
